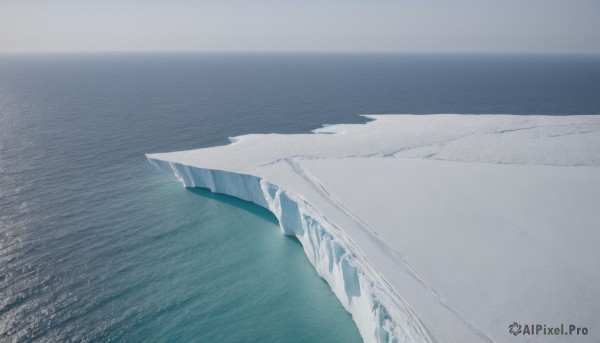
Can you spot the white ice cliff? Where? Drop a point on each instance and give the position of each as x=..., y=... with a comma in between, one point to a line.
x=437, y=228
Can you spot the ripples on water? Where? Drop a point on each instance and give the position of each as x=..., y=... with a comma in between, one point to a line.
x=96, y=245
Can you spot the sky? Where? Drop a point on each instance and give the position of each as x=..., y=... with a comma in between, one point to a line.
x=570, y=26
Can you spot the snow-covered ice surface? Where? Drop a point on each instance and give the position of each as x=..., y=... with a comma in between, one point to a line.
x=437, y=228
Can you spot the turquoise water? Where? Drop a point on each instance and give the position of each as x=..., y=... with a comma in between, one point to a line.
x=96, y=245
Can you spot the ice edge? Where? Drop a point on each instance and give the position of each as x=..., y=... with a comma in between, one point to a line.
x=380, y=314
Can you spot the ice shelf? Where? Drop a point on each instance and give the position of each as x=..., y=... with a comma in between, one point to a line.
x=436, y=228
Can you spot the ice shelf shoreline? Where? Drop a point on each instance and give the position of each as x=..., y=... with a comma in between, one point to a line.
x=334, y=256
x=391, y=298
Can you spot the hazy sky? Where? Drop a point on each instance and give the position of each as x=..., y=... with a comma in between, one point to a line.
x=301, y=25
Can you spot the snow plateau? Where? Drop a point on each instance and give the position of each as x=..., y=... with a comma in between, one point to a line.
x=437, y=228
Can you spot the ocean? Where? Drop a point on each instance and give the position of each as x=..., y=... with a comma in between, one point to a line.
x=97, y=245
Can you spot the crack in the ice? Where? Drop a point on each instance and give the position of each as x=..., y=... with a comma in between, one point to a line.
x=441, y=146
x=395, y=255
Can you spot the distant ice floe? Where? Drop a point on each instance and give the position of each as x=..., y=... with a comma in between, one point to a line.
x=437, y=228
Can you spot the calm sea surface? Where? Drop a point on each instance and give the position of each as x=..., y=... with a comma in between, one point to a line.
x=96, y=245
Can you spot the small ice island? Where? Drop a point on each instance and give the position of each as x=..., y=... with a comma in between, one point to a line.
x=433, y=228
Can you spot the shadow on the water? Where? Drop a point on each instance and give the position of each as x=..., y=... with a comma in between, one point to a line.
x=242, y=204
x=295, y=240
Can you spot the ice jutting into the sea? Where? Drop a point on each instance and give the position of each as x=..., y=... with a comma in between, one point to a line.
x=437, y=228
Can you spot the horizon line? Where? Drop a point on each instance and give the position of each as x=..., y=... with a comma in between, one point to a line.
x=482, y=52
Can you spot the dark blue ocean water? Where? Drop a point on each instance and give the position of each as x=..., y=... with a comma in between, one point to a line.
x=96, y=245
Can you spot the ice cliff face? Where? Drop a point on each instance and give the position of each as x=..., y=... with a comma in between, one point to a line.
x=378, y=314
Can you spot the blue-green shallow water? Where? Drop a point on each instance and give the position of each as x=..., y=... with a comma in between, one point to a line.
x=96, y=245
